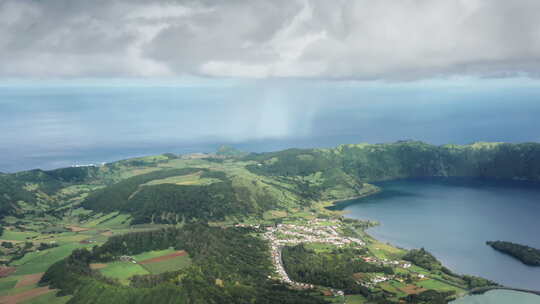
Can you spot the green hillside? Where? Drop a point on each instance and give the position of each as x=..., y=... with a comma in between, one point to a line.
x=170, y=189
x=375, y=162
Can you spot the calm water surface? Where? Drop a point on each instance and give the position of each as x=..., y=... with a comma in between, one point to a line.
x=51, y=125
x=454, y=218
x=500, y=297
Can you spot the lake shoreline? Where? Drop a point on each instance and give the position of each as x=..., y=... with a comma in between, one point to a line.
x=335, y=204
x=340, y=204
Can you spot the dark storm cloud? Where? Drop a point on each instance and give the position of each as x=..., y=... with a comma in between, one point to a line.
x=341, y=39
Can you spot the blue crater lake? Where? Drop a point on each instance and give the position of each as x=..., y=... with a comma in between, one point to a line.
x=453, y=219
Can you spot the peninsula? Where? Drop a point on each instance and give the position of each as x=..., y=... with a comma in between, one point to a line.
x=527, y=255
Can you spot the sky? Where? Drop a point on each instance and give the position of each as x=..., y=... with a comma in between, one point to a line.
x=92, y=81
x=340, y=39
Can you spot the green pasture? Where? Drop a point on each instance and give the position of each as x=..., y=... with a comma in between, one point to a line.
x=7, y=285
x=355, y=299
x=152, y=254
x=176, y=263
x=18, y=235
x=35, y=262
x=49, y=298
x=437, y=285
x=123, y=271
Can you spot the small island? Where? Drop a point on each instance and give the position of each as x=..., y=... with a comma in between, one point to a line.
x=527, y=255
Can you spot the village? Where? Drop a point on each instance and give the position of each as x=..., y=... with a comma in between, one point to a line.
x=318, y=231
x=323, y=231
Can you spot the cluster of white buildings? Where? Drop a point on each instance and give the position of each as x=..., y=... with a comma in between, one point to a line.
x=373, y=280
x=402, y=264
x=278, y=263
x=379, y=279
x=290, y=234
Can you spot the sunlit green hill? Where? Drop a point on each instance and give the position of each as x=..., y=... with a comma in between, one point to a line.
x=168, y=188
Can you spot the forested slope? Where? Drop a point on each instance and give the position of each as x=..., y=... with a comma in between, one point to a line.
x=168, y=202
x=229, y=266
x=376, y=162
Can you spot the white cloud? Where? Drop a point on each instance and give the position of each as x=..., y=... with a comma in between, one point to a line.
x=341, y=39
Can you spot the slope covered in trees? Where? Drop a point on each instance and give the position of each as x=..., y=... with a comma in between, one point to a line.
x=229, y=266
x=333, y=269
x=174, y=203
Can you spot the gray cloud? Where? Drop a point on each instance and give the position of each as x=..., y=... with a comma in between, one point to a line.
x=340, y=39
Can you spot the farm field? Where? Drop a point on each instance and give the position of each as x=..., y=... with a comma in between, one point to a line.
x=412, y=289
x=36, y=262
x=18, y=236
x=6, y=284
x=48, y=298
x=22, y=296
x=174, y=261
x=152, y=254
x=24, y=289
x=123, y=271
x=434, y=284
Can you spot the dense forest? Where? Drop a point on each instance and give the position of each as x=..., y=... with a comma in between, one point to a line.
x=334, y=269
x=229, y=266
x=527, y=255
x=116, y=196
x=422, y=258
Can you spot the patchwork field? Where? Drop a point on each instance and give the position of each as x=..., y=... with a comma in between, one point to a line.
x=412, y=289
x=163, y=258
x=152, y=254
x=152, y=262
